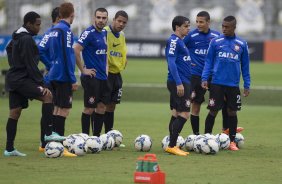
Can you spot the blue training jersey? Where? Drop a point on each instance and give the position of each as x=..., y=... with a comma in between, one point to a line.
x=62, y=54
x=94, y=51
x=198, y=43
x=45, y=58
x=178, y=60
x=226, y=58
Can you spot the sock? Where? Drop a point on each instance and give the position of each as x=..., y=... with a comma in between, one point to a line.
x=54, y=125
x=209, y=123
x=46, y=119
x=195, y=124
x=11, y=129
x=224, y=117
x=60, y=125
x=177, y=126
x=98, y=124
x=233, y=122
x=85, y=123
x=92, y=117
x=109, y=121
x=170, y=125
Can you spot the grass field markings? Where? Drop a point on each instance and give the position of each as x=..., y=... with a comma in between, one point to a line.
x=151, y=85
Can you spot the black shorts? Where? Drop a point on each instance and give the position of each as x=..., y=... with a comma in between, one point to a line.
x=197, y=92
x=180, y=104
x=115, y=88
x=220, y=93
x=27, y=90
x=95, y=91
x=62, y=94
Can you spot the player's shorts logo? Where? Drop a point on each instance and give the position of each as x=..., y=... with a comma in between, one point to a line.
x=187, y=103
x=193, y=94
x=211, y=102
x=91, y=100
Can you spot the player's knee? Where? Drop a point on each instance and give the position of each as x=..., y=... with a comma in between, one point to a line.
x=231, y=113
x=15, y=113
x=101, y=108
x=184, y=115
x=64, y=112
x=196, y=109
x=88, y=111
x=110, y=107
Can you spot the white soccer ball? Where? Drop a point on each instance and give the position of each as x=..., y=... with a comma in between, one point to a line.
x=143, y=143
x=108, y=142
x=198, y=142
x=210, y=136
x=210, y=146
x=223, y=140
x=117, y=137
x=165, y=142
x=180, y=142
x=54, y=149
x=189, y=142
x=239, y=140
x=69, y=141
x=78, y=147
x=84, y=136
x=94, y=144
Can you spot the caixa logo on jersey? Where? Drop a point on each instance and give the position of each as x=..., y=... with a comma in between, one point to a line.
x=101, y=51
x=228, y=55
x=186, y=58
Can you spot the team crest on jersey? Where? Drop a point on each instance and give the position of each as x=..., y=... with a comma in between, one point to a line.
x=91, y=100
x=193, y=94
x=211, y=102
x=187, y=103
x=237, y=47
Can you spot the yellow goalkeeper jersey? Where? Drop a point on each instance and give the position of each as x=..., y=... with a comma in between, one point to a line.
x=116, y=51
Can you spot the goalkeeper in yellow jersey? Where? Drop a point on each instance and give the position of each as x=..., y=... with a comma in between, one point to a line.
x=116, y=62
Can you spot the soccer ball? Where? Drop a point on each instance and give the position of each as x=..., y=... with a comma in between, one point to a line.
x=180, y=142
x=54, y=149
x=189, y=142
x=210, y=146
x=143, y=143
x=210, y=136
x=239, y=140
x=117, y=137
x=78, y=146
x=94, y=144
x=223, y=140
x=198, y=142
x=83, y=135
x=108, y=142
x=69, y=141
x=165, y=142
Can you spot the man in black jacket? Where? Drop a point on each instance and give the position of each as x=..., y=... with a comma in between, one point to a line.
x=24, y=81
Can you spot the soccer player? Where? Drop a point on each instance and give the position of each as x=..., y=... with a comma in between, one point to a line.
x=178, y=81
x=92, y=44
x=197, y=42
x=24, y=81
x=61, y=74
x=117, y=61
x=45, y=57
x=227, y=57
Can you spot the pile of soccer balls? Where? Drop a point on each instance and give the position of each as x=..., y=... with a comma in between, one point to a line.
x=81, y=143
x=206, y=143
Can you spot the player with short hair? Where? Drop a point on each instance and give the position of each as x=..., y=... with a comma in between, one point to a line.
x=227, y=57
x=45, y=57
x=117, y=61
x=24, y=81
x=197, y=42
x=61, y=74
x=93, y=45
x=178, y=81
